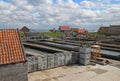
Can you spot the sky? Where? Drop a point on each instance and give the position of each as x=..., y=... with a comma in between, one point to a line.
x=47, y=14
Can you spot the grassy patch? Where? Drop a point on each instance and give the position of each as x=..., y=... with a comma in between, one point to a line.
x=95, y=34
x=52, y=34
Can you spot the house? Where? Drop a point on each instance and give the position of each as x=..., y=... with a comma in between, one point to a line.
x=114, y=30
x=82, y=33
x=111, y=30
x=74, y=29
x=25, y=29
x=74, y=32
x=103, y=30
x=13, y=65
x=64, y=28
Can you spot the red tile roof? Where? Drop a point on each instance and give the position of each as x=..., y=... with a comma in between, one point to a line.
x=74, y=29
x=82, y=31
x=11, y=50
x=103, y=30
x=64, y=28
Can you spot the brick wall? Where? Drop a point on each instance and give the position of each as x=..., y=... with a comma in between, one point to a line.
x=14, y=72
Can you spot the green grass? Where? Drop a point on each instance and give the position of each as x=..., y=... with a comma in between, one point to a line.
x=58, y=34
x=95, y=34
x=52, y=34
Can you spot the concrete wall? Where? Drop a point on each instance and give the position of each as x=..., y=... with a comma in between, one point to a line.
x=43, y=60
x=85, y=55
x=14, y=72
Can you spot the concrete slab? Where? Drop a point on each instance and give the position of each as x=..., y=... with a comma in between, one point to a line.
x=78, y=73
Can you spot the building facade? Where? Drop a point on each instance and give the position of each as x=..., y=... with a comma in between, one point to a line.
x=114, y=30
x=82, y=33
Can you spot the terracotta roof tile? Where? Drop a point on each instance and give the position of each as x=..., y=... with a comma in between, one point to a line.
x=74, y=29
x=64, y=28
x=103, y=30
x=82, y=31
x=11, y=50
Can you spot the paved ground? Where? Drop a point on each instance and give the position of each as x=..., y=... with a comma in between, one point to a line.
x=78, y=73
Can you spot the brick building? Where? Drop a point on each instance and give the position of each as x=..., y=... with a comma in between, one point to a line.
x=111, y=30
x=103, y=30
x=82, y=33
x=13, y=66
x=114, y=30
x=74, y=29
x=64, y=28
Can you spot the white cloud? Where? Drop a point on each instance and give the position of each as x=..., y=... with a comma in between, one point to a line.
x=87, y=4
x=44, y=13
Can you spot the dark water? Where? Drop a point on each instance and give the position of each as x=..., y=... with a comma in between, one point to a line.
x=108, y=52
x=66, y=45
x=32, y=50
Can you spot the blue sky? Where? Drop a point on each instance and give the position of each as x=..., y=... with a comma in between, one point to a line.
x=6, y=0
x=53, y=0
x=78, y=1
x=46, y=14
